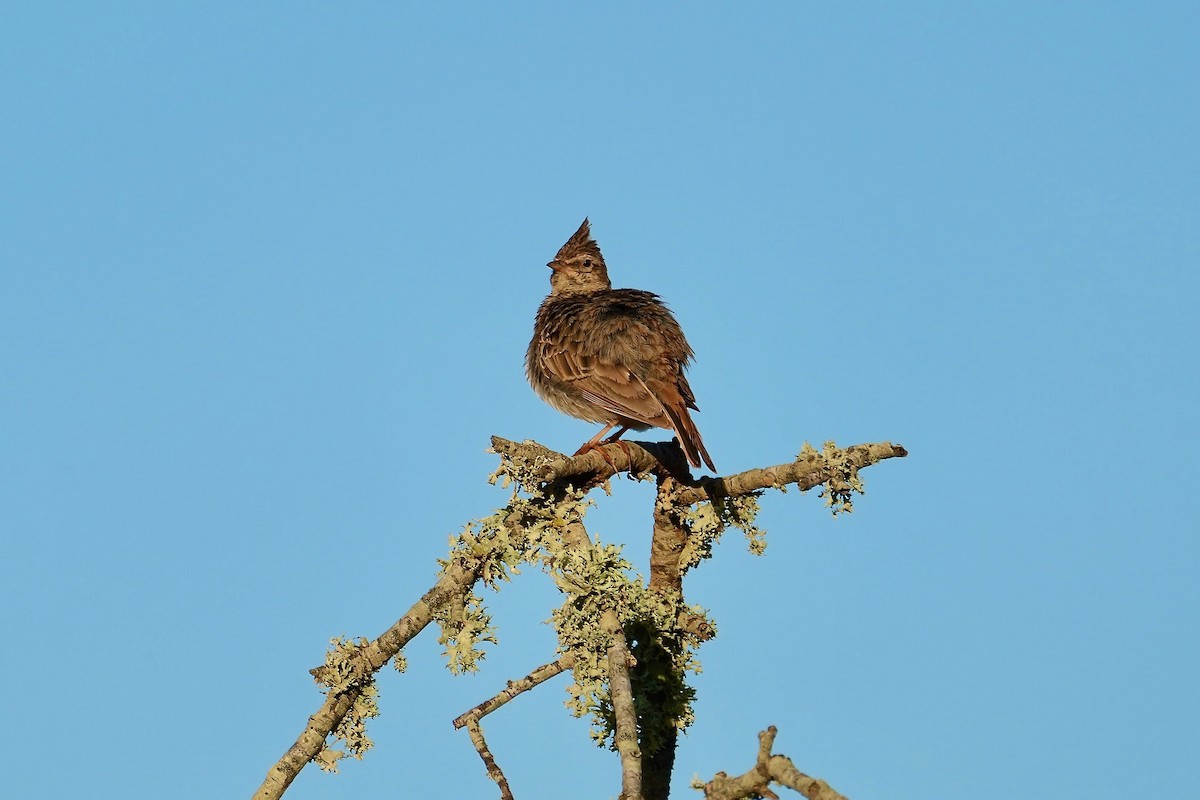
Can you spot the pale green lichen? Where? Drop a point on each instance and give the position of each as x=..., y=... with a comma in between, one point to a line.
x=599, y=580
x=352, y=730
x=841, y=481
x=344, y=670
x=596, y=579
x=528, y=530
x=465, y=624
x=707, y=520
x=343, y=665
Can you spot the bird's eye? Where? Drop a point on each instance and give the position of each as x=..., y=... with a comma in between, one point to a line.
x=587, y=263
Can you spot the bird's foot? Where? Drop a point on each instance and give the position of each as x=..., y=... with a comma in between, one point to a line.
x=599, y=447
x=624, y=449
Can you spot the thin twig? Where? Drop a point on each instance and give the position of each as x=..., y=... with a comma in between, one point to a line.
x=514, y=688
x=493, y=769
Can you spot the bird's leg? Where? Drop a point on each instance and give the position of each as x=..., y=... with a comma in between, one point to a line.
x=616, y=439
x=594, y=443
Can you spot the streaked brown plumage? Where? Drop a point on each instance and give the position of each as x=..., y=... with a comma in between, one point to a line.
x=614, y=356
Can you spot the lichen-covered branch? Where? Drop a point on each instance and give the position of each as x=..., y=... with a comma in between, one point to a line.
x=689, y=517
x=548, y=467
x=658, y=683
x=346, y=686
x=644, y=625
x=768, y=768
x=667, y=540
x=486, y=550
x=811, y=468
x=625, y=738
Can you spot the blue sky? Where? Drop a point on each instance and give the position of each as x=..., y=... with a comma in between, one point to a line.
x=267, y=275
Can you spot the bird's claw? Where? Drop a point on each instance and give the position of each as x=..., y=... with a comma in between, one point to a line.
x=600, y=447
x=628, y=455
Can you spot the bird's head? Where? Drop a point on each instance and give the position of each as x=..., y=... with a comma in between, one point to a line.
x=579, y=267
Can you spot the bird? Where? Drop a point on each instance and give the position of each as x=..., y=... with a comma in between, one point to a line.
x=611, y=356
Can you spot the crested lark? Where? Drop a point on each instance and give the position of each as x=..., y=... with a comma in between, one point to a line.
x=614, y=356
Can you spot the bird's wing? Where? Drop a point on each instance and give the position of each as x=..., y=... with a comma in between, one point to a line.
x=611, y=386
x=622, y=353
x=652, y=401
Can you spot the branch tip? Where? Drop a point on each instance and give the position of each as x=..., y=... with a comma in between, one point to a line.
x=768, y=768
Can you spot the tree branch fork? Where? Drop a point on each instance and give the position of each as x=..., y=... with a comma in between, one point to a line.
x=556, y=485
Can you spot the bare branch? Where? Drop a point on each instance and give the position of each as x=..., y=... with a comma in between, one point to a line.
x=756, y=782
x=784, y=772
x=493, y=769
x=514, y=688
x=625, y=738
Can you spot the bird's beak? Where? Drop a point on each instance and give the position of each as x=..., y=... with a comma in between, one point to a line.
x=554, y=265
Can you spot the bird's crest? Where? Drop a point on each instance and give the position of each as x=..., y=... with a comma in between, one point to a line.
x=581, y=242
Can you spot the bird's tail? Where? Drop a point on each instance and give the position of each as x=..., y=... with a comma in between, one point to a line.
x=689, y=436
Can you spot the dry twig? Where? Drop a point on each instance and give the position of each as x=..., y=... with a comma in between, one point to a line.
x=489, y=761
x=768, y=768
x=514, y=688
